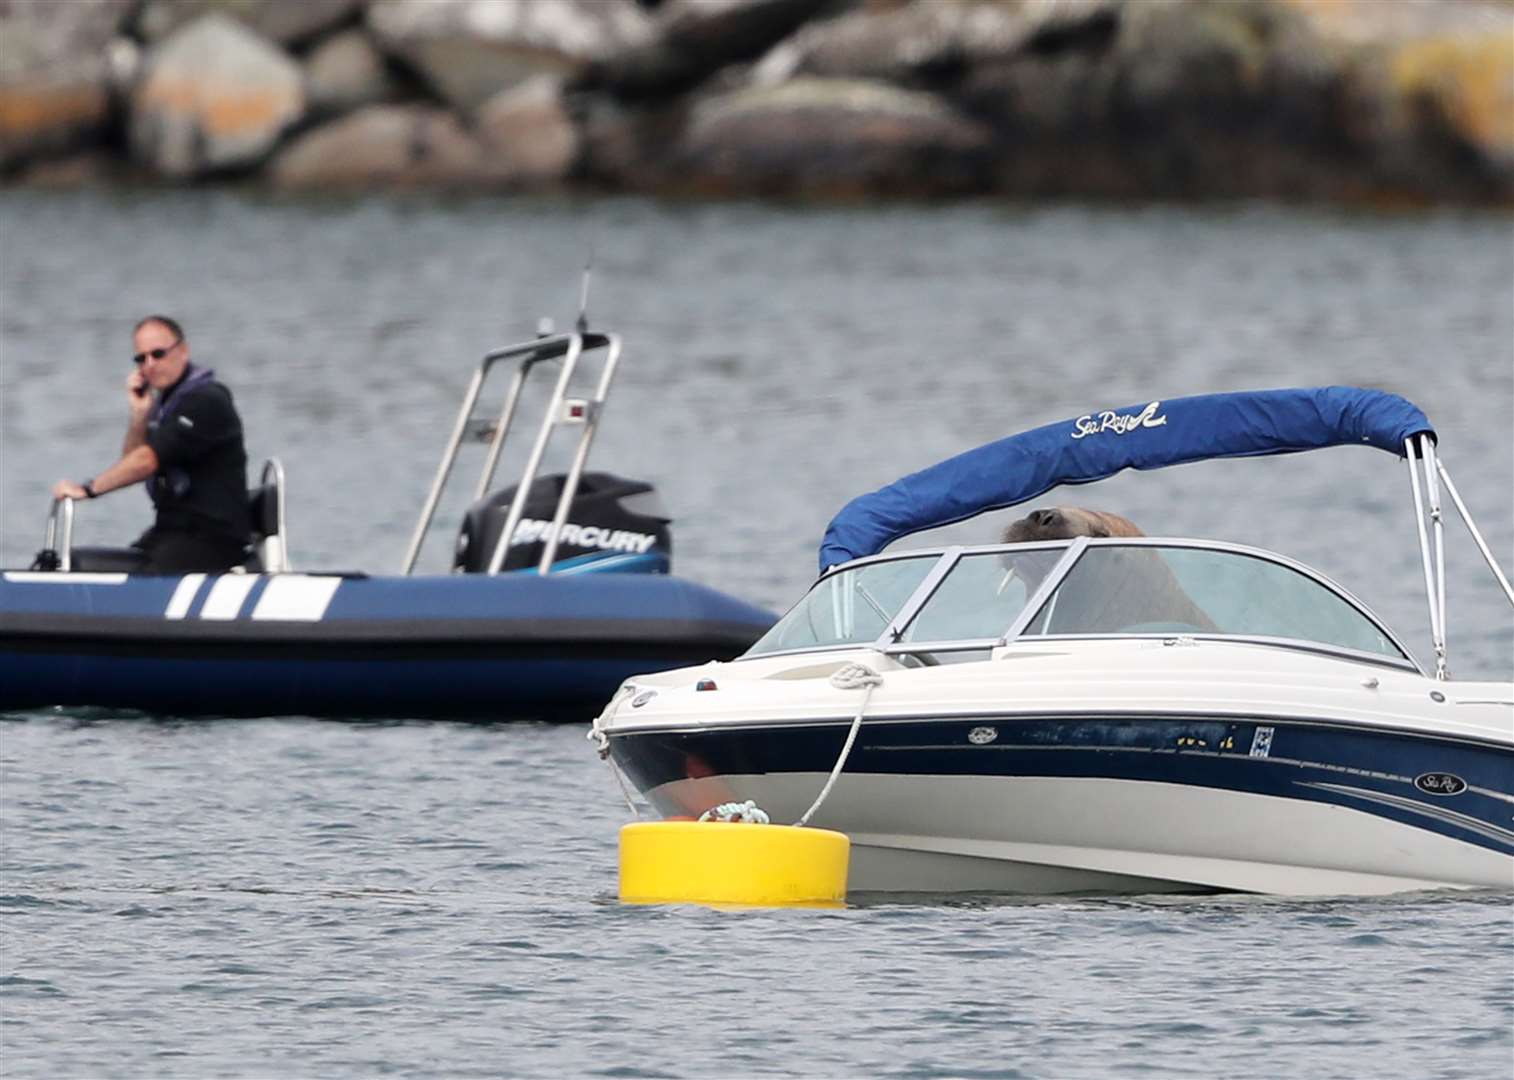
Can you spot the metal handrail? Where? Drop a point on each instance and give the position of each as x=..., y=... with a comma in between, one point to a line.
x=538, y=448
x=276, y=467
x=64, y=549
x=580, y=458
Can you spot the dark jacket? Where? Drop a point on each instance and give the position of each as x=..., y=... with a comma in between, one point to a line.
x=201, y=482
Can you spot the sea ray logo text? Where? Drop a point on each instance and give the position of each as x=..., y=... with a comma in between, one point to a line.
x=1119, y=423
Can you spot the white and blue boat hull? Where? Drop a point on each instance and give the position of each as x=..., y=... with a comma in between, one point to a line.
x=1127, y=803
x=1126, y=766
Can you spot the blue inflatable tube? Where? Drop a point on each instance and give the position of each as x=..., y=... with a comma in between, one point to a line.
x=512, y=646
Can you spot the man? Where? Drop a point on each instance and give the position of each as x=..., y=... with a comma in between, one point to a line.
x=187, y=444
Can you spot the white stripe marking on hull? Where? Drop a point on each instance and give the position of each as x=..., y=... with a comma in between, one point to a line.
x=183, y=596
x=296, y=597
x=227, y=595
x=53, y=577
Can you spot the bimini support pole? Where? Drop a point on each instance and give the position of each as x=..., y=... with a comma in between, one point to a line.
x=1482, y=545
x=1437, y=630
x=1438, y=526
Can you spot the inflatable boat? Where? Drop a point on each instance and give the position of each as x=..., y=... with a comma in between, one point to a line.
x=560, y=588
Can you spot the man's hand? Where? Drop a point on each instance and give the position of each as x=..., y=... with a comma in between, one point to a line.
x=138, y=395
x=67, y=489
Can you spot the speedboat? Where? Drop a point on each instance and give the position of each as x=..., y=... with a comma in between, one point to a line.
x=1101, y=713
x=560, y=587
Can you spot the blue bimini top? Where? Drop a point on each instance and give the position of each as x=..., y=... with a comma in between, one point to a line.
x=1100, y=444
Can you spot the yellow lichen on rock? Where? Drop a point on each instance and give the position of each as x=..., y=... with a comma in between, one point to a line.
x=30, y=108
x=1471, y=80
x=230, y=116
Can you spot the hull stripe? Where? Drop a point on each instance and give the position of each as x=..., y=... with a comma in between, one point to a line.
x=297, y=598
x=1450, y=817
x=183, y=596
x=227, y=596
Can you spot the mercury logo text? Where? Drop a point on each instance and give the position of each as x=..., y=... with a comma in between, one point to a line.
x=530, y=530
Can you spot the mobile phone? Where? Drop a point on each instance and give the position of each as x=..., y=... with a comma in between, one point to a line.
x=141, y=391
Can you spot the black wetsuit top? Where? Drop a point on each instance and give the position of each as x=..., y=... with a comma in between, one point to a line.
x=201, y=483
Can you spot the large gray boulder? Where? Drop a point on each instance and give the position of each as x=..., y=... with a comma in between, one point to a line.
x=55, y=75
x=695, y=38
x=827, y=138
x=288, y=22
x=382, y=147
x=345, y=72
x=925, y=41
x=470, y=50
x=1155, y=98
x=529, y=139
x=214, y=96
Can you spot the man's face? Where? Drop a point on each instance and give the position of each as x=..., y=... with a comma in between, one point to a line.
x=163, y=355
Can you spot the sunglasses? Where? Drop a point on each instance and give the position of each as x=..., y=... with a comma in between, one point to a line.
x=157, y=354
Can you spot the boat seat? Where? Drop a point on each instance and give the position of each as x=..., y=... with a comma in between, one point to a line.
x=107, y=560
x=265, y=505
x=128, y=560
x=268, y=552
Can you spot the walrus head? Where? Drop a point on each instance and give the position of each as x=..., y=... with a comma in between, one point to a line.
x=1065, y=522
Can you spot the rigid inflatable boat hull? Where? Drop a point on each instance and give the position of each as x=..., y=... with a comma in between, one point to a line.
x=504, y=647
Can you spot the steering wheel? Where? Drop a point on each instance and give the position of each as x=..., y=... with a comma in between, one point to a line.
x=921, y=659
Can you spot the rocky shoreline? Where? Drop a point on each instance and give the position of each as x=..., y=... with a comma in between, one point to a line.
x=1355, y=101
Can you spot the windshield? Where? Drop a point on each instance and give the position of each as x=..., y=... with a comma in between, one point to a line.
x=1110, y=589
x=851, y=606
x=1151, y=590
x=979, y=598
x=982, y=595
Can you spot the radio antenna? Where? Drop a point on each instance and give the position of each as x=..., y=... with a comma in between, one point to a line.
x=583, y=295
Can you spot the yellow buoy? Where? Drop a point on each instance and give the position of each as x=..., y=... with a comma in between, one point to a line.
x=737, y=863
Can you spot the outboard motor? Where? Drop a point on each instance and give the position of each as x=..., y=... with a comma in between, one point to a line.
x=614, y=524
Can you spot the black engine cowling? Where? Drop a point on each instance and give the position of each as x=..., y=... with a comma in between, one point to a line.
x=613, y=524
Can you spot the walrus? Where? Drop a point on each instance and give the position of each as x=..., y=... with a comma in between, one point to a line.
x=1125, y=589
x=1065, y=522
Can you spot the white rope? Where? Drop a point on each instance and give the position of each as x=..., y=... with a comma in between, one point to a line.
x=736, y=811
x=625, y=791
x=601, y=743
x=851, y=677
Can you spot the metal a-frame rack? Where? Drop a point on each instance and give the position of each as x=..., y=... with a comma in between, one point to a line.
x=562, y=411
